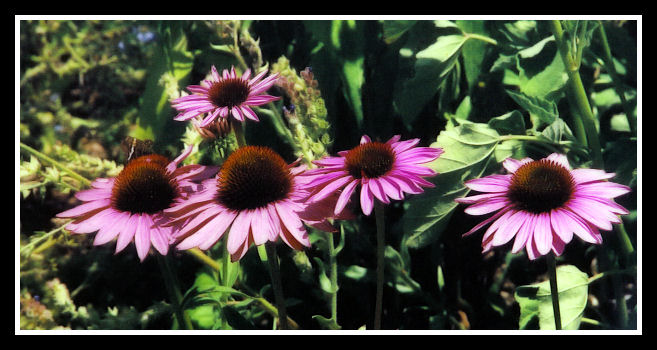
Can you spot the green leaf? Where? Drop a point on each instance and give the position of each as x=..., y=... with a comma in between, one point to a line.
x=468, y=149
x=327, y=323
x=536, y=302
x=398, y=272
x=430, y=68
x=324, y=281
x=393, y=30
x=169, y=71
x=546, y=111
x=509, y=123
x=342, y=51
x=474, y=51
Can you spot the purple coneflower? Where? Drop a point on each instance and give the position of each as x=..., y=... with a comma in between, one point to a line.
x=225, y=95
x=542, y=203
x=383, y=170
x=130, y=205
x=257, y=196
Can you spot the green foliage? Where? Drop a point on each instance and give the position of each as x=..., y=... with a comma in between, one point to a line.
x=536, y=301
x=480, y=90
x=467, y=152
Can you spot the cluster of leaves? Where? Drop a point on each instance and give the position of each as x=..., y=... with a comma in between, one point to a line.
x=480, y=90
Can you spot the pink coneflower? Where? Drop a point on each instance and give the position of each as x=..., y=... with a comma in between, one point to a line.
x=543, y=203
x=130, y=205
x=225, y=95
x=383, y=170
x=257, y=195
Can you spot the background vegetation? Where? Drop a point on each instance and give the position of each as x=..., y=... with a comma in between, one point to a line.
x=481, y=90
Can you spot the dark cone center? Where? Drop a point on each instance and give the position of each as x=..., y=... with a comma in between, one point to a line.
x=144, y=186
x=252, y=177
x=229, y=92
x=370, y=160
x=541, y=186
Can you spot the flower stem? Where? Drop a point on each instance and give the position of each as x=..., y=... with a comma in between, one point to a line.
x=55, y=163
x=579, y=94
x=554, y=290
x=609, y=64
x=267, y=306
x=334, y=276
x=174, y=292
x=277, y=284
x=238, y=129
x=380, y=261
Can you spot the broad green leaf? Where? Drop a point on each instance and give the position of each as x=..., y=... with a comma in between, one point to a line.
x=464, y=108
x=509, y=123
x=473, y=51
x=468, y=149
x=430, y=68
x=168, y=72
x=342, y=51
x=393, y=30
x=546, y=111
x=536, y=301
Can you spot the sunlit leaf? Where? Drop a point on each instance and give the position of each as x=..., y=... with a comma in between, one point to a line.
x=536, y=302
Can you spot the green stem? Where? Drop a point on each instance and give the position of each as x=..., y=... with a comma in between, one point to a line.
x=579, y=95
x=202, y=257
x=480, y=37
x=554, y=290
x=238, y=129
x=609, y=64
x=171, y=284
x=55, y=163
x=380, y=261
x=277, y=284
x=334, y=276
x=630, y=271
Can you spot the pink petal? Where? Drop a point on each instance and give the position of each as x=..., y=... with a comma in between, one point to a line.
x=543, y=233
x=524, y=234
x=509, y=228
x=292, y=222
x=344, y=197
x=377, y=191
x=85, y=208
x=560, y=225
x=589, y=175
x=111, y=230
x=366, y=200
x=487, y=206
x=491, y=183
x=126, y=235
x=239, y=231
x=142, y=237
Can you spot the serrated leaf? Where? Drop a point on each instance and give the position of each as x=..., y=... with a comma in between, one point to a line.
x=536, y=302
x=430, y=68
x=546, y=111
x=468, y=148
x=509, y=123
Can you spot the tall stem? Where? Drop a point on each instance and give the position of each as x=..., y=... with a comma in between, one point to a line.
x=55, y=163
x=609, y=63
x=579, y=94
x=171, y=284
x=238, y=129
x=277, y=284
x=380, y=261
x=554, y=290
x=333, y=277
